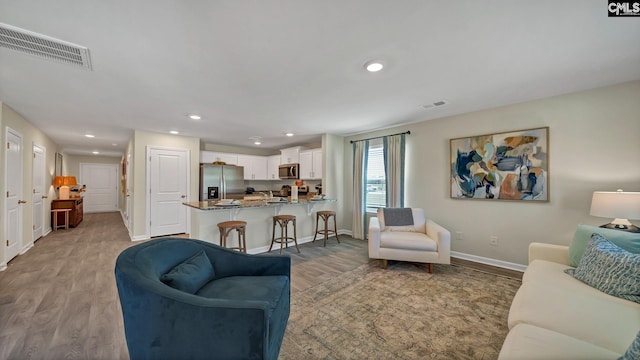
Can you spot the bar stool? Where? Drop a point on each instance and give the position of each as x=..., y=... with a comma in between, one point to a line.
x=226, y=227
x=283, y=221
x=55, y=218
x=325, y=215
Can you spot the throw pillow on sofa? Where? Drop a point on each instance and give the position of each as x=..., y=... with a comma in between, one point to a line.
x=626, y=240
x=610, y=269
x=633, y=352
x=191, y=274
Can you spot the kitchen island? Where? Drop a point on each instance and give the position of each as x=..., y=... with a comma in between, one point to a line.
x=258, y=214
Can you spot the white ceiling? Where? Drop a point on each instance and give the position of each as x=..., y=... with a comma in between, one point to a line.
x=262, y=68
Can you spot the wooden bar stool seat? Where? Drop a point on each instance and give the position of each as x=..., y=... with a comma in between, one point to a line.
x=284, y=238
x=326, y=215
x=65, y=217
x=226, y=227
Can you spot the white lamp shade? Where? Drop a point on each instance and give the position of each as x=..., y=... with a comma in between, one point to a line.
x=616, y=204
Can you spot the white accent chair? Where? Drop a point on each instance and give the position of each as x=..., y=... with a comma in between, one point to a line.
x=424, y=242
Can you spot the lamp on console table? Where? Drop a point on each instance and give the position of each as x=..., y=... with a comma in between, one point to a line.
x=619, y=205
x=63, y=182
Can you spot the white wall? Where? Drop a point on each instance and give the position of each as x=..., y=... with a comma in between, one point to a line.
x=30, y=136
x=73, y=162
x=594, y=145
x=141, y=140
x=333, y=158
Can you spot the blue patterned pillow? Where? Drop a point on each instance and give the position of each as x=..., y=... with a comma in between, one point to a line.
x=609, y=269
x=633, y=352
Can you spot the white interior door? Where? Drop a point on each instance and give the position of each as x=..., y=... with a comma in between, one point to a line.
x=101, y=194
x=38, y=191
x=128, y=193
x=14, y=192
x=168, y=180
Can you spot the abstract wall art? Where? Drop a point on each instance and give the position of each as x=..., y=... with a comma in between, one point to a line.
x=504, y=166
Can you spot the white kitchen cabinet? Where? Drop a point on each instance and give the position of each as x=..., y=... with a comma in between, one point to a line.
x=291, y=155
x=208, y=157
x=317, y=164
x=272, y=167
x=255, y=167
x=311, y=164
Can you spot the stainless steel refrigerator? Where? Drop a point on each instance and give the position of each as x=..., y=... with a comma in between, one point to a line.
x=221, y=182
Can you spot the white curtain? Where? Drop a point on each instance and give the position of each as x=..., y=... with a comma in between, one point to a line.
x=360, y=155
x=394, y=154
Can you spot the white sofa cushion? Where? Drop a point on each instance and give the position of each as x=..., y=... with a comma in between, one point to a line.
x=553, y=300
x=407, y=241
x=526, y=341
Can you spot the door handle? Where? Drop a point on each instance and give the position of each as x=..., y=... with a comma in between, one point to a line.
x=183, y=196
x=22, y=202
x=45, y=197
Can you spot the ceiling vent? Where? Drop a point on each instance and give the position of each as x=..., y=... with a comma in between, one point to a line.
x=43, y=46
x=436, y=104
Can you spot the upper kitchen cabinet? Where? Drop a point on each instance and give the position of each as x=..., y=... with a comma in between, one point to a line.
x=311, y=164
x=272, y=167
x=255, y=167
x=291, y=155
x=209, y=157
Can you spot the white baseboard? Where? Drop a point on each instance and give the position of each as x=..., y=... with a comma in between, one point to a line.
x=47, y=232
x=3, y=265
x=301, y=240
x=139, y=237
x=265, y=248
x=489, y=261
x=26, y=248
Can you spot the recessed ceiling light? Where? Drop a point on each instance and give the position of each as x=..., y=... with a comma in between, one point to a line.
x=89, y=135
x=257, y=142
x=96, y=152
x=289, y=134
x=194, y=117
x=174, y=132
x=373, y=66
x=114, y=144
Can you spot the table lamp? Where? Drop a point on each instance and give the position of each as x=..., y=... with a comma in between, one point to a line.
x=63, y=182
x=619, y=205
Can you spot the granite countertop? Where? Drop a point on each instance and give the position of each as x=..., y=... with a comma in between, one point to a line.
x=210, y=205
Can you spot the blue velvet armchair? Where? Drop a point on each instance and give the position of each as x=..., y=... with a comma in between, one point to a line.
x=189, y=299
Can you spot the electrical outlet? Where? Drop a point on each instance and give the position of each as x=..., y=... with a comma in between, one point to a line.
x=493, y=240
x=459, y=235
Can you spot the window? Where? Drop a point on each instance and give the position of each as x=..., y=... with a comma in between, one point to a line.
x=376, y=185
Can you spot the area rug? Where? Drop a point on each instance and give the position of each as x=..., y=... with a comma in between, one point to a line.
x=401, y=313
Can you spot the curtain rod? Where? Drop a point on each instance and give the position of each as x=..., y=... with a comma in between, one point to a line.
x=378, y=137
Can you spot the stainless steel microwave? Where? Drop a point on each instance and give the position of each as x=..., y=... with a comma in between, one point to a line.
x=289, y=171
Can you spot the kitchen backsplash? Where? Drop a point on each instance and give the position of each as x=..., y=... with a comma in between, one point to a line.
x=277, y=185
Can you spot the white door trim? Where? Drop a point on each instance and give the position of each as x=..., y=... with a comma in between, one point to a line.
x=19, y=230
x=148, y=185
x=44, y=190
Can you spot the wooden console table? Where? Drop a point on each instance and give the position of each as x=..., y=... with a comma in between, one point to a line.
x=76, y=214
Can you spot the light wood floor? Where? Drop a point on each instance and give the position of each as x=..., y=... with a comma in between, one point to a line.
x=59, y=300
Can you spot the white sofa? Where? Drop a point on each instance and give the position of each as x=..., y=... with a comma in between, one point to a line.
x=554, y=316
x=423, y=242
